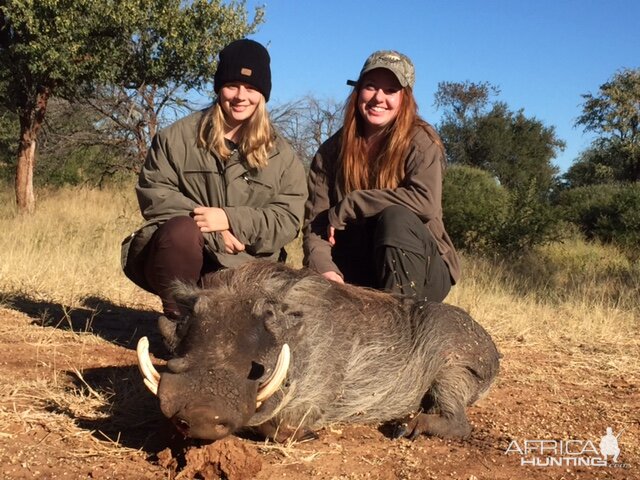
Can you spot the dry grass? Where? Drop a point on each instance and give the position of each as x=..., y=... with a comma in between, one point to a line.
x=573, y=301
x=64, y=393
x=516, y=306
x=69, y=250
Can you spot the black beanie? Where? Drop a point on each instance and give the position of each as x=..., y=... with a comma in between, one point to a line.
x=244, y=61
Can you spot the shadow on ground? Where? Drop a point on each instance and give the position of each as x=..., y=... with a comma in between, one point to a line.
x=130, y=416
x=122, y=326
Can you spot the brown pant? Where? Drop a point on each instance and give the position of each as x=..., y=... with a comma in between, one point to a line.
x=175, y=252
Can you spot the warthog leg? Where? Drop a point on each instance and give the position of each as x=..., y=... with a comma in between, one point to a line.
x=437, y=425
x=283, y=433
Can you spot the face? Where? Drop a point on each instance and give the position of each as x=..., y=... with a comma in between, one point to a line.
x=379, y=99
x=210, y=391
x=238, y=101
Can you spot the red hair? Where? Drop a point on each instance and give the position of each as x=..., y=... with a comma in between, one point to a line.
x=386, y=170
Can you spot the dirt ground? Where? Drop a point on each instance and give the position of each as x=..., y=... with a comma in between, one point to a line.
x=72, y=405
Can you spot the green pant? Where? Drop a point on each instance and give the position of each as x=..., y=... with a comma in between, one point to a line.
x=393, y=251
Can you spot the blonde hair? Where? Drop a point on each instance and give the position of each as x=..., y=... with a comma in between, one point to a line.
x=256, y=135
x=360, y=172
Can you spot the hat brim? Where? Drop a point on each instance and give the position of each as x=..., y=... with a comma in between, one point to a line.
x=403, y=83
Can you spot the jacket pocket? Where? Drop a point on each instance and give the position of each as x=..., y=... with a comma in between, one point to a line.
x=246, y=190
x=199, y=183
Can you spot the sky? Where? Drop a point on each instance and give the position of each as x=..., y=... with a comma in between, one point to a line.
x=542, y=54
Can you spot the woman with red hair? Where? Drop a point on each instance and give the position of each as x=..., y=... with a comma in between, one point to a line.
x=374, y=213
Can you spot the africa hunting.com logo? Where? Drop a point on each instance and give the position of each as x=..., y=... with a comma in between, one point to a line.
x=568, y=453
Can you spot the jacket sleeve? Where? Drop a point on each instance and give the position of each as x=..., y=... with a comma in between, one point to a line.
x=267, y=229
x=420, y=190
x=317, y=250
x=158, y=191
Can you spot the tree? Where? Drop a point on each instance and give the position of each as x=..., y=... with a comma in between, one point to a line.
x=49, y=47
x=76, y=146
x=463, y=101
x=594, y=166
x=307, y=122
x=142, y=49
x=614, y=116
x=8, y=132
x=515, y=148
x=172, y=55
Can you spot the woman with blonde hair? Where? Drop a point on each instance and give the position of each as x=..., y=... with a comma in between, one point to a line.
x=218, y=188
x=374, y=213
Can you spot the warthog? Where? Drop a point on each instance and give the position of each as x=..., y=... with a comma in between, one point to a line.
x=287, y=352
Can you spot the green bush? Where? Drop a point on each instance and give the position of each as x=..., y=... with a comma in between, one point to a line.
x=9, y=134
x=90, y=166
x=530, y=221
x=474, y=206
x=607, y=212
x=581, y=205
x=484, y=217
x=625, y=215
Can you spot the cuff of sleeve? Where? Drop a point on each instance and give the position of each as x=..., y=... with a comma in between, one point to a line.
x=323, y=267
x=334, y=220
x=214, y=242
x=237, y=227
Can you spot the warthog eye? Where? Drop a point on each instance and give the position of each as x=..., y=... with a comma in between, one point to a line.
x=256, y=372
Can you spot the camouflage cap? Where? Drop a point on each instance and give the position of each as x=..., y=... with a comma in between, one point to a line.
x=397, y=63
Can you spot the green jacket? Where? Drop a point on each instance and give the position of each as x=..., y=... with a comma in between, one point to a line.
x=264, y=206
x=420, y=191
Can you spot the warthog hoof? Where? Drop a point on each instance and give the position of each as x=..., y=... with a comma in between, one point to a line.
x=432, y=424
x=168, y=329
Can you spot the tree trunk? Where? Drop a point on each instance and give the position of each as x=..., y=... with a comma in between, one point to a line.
x=31, y=120
x=24, y=175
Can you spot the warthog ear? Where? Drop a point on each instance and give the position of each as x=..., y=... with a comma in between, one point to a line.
x=267, y=310
x=277, y=316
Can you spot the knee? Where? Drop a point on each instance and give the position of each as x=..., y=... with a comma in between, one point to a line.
x=180, y=233
x=397, y=218
x=397, y=226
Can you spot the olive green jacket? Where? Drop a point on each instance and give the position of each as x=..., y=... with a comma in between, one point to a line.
x=264, y=206
x=420, y=191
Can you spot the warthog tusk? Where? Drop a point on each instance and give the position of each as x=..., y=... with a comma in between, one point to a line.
x=271, y=384
x=150, y=376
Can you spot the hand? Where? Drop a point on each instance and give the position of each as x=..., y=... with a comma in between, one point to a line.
x=331, y=236
x=333, y=276
x=231, y=244
x=210, y=219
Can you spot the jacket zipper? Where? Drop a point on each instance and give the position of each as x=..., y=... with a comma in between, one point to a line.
x=224, y=177
x=247, y=179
